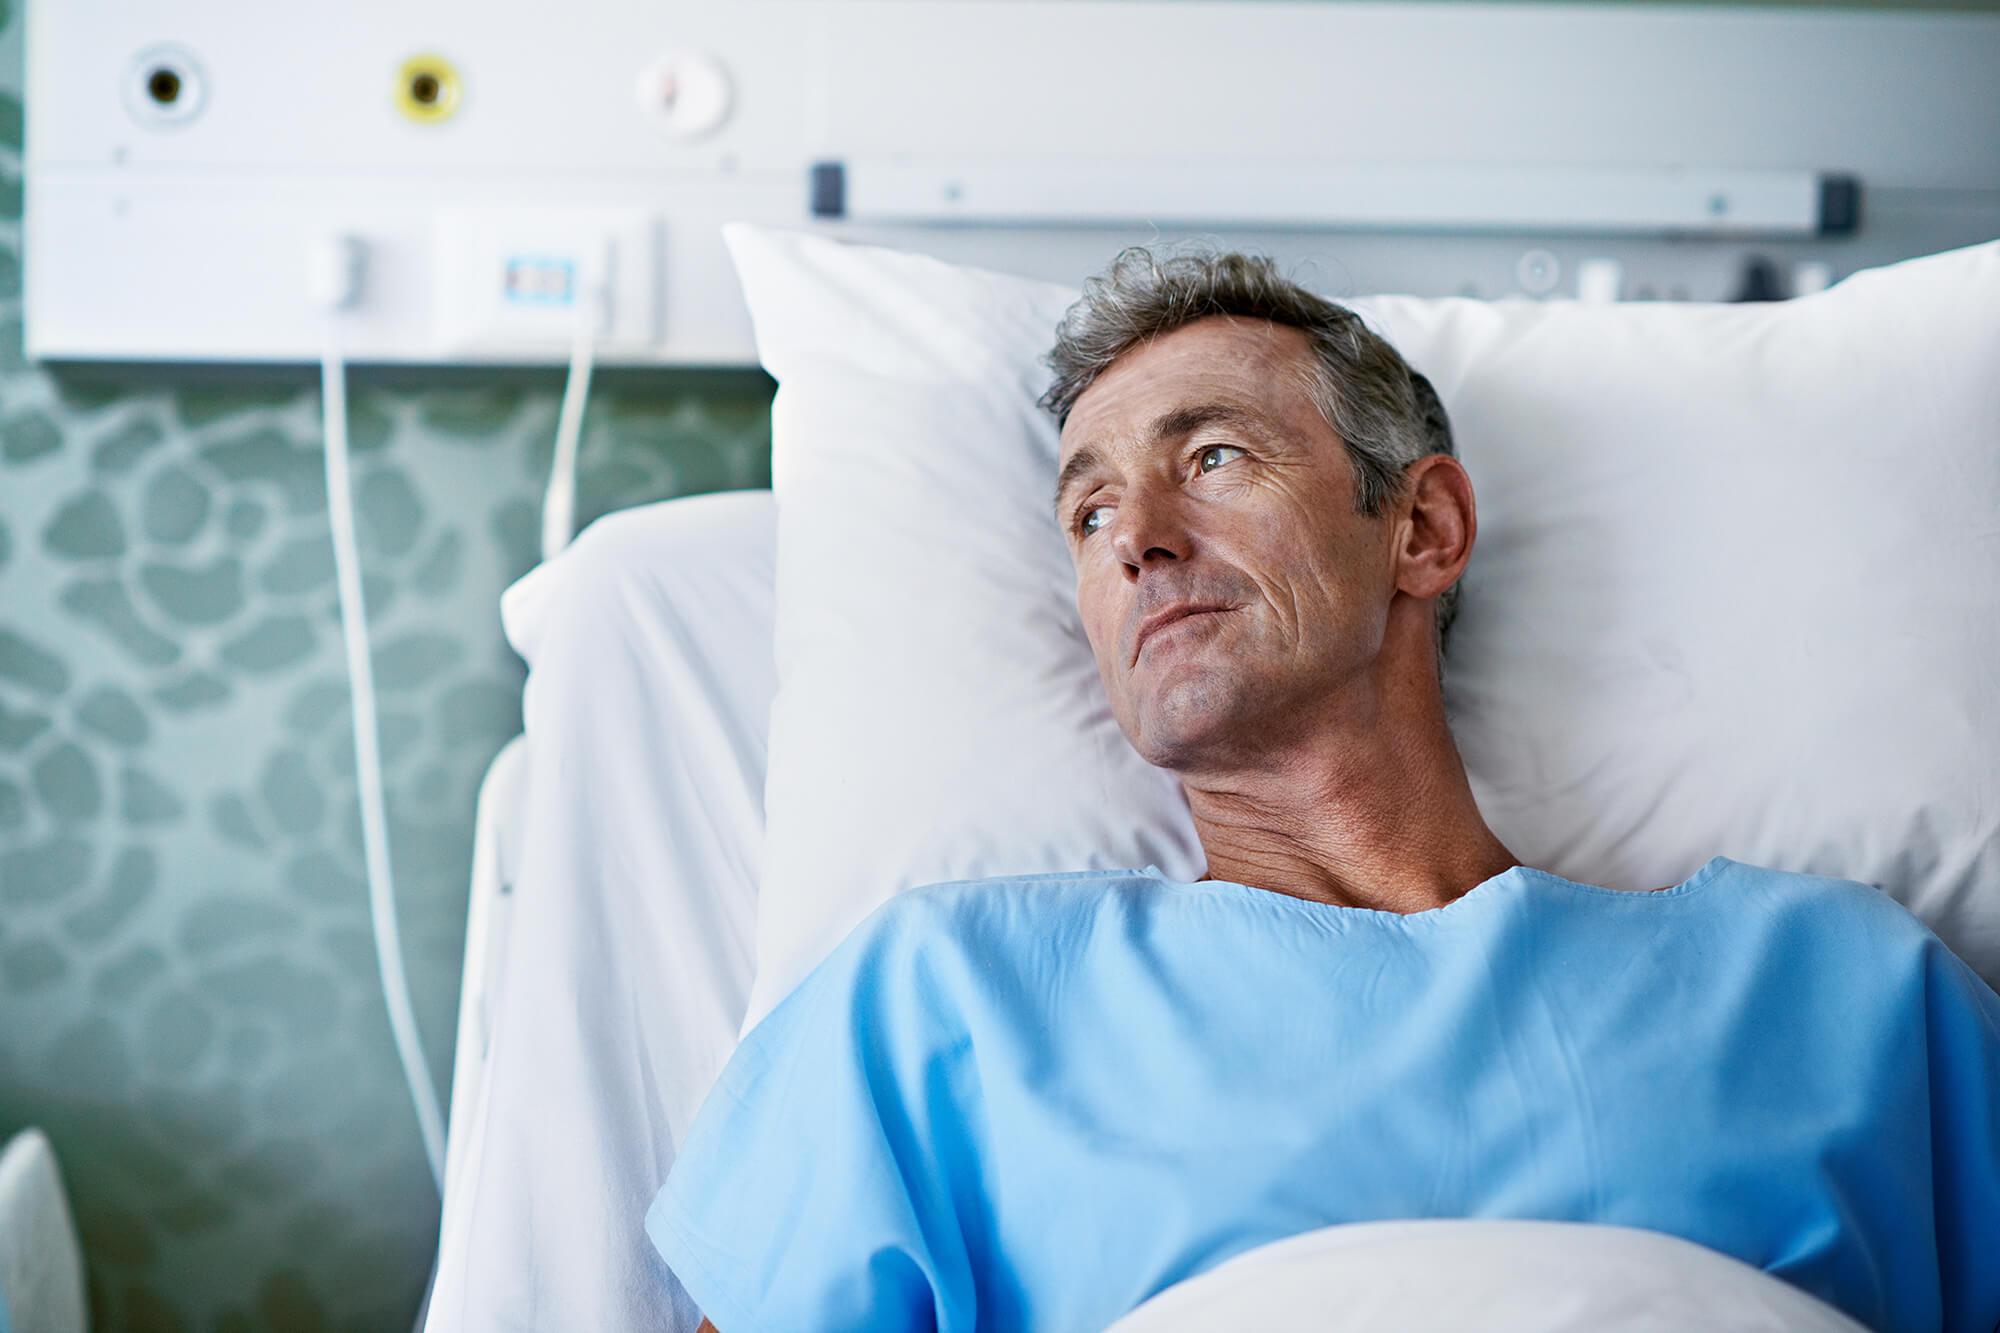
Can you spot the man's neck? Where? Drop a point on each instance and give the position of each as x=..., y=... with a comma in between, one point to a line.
x=1384, y=820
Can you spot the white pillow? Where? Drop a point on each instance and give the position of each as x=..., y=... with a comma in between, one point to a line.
x=938, y=716
x=1736, y=590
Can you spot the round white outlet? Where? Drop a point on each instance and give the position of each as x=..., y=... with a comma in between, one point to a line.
x=1538, y=272
x=685, y=93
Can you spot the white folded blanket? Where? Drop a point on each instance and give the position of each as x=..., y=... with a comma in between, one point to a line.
x=1495, y=1276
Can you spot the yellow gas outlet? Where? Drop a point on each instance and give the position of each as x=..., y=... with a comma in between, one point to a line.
x=428, y=89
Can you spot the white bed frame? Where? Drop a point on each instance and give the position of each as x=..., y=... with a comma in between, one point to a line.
x=496, y=848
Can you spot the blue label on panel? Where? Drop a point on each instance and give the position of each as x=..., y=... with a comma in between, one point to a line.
x=541, y=279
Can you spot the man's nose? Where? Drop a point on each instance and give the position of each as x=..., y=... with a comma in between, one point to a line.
x=1149, y=528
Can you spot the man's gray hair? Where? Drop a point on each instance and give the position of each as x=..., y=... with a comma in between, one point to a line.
x=1386, y=414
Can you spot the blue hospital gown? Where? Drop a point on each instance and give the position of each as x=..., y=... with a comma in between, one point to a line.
x=1032, y=1103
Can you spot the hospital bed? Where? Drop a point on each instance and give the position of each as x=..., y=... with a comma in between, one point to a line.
x=623, y=974
x=610, y=960
x=873, y=125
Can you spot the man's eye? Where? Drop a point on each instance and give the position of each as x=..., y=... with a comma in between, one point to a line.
x=1215, y=456
x=1090, y=520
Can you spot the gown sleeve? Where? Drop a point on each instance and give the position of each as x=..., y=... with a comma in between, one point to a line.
x=824, y=1184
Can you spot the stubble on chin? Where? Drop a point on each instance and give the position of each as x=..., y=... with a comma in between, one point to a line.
x=1187, y=719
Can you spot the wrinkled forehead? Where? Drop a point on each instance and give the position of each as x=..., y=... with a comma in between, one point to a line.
x=1258, y=368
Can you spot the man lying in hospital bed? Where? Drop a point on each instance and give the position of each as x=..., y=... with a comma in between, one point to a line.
x=1036, y=1101
x=1736, y=590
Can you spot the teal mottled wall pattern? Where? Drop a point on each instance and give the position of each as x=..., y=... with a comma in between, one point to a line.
x=186, y=970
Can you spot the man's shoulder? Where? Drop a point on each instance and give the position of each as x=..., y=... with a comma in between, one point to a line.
x=987, y=922
x=1825, y=906
x=1801, y=886
x=949, y=940
x=1001, y=904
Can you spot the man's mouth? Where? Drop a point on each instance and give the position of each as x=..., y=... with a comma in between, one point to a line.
x=1166, y=618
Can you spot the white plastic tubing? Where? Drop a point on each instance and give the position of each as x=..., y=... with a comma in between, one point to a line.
x=333, y=277
x=334, y=274
x=559, y=501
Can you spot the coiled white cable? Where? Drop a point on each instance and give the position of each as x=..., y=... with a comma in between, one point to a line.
x=334, y=276
x=559, y=500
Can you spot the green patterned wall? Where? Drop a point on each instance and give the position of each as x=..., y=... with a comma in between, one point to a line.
x=186, y=972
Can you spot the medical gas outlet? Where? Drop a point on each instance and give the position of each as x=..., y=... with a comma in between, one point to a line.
x=165, y=87
x=427, y=89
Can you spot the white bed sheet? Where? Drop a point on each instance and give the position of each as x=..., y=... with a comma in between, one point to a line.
x=629, y=959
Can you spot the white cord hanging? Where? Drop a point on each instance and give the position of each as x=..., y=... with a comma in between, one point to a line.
x=334, y=274
x=559, y=501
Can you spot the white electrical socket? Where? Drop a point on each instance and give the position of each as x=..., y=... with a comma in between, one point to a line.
x=519, y=280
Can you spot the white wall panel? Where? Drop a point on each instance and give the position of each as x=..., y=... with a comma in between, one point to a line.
x=188, y=241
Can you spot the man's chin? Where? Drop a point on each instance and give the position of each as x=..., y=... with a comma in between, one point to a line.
x=1189, y=726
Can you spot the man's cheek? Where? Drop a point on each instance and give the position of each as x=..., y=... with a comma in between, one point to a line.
x=1100, y=625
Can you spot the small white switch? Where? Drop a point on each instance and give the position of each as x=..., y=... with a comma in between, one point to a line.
x=1599, y=281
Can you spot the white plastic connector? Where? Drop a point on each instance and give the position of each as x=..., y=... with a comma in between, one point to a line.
x=1599, y=281
x=1809, y=276
x=333, y=271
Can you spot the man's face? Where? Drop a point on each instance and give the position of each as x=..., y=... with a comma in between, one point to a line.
x=1228, y=586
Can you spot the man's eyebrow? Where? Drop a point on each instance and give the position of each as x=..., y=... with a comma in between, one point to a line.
x=1187, y=420
x=1083, y=461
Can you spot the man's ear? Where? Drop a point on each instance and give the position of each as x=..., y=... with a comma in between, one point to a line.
x=1438, y=526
